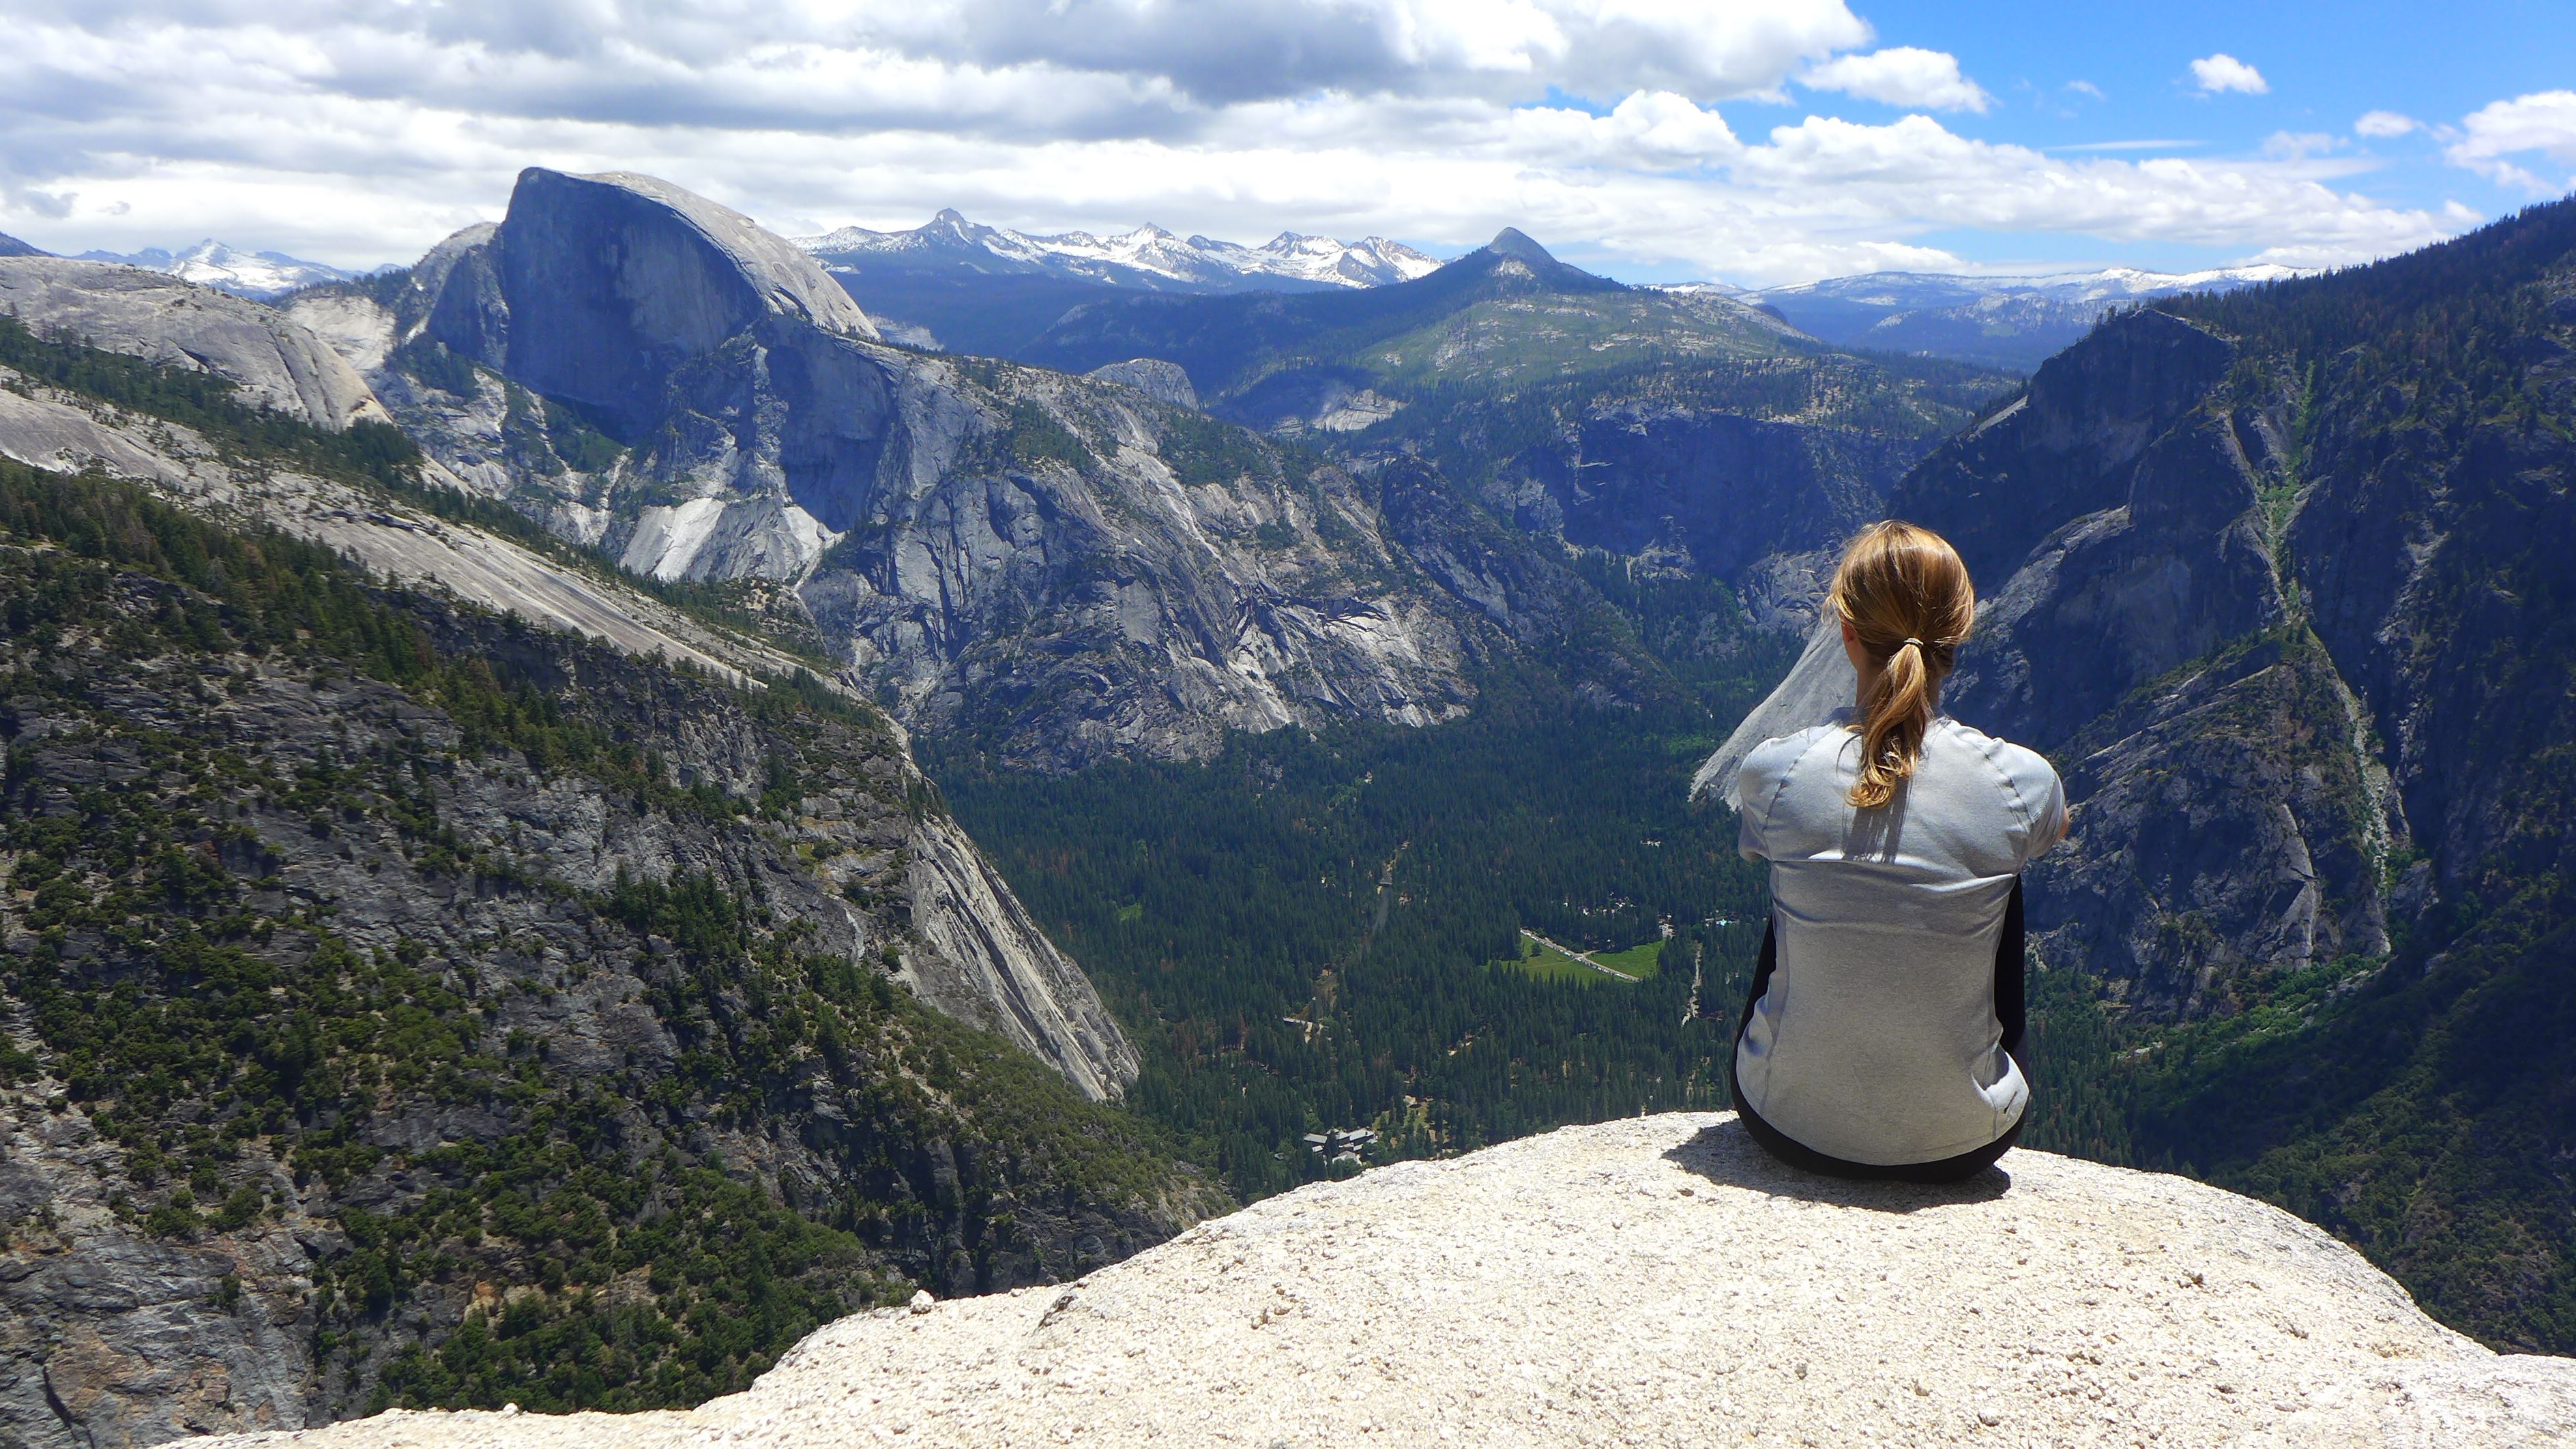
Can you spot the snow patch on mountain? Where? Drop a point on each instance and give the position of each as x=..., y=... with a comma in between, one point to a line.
x=256, y=275
x=1147, y=256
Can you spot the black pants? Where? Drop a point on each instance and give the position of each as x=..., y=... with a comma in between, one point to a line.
x=2010, y=1011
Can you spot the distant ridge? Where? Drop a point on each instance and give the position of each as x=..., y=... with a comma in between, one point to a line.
x=10, y=246
x=1147, y=257
x=2014, y=321
x=260, y=276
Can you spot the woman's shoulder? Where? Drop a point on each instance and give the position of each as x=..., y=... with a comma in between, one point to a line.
x=1777, y=754
x=1769, y=765
x=2025, y=771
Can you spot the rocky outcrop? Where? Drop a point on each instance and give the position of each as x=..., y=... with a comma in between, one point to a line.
x=988, y=962
x=1164, y=382
x=178, y=324
x=613, y=282
x=1144, y=583
x=1657, y=1281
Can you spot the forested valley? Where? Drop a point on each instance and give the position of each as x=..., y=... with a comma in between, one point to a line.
x=1316, y=932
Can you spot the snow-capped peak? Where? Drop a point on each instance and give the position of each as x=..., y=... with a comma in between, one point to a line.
x=1147, y=256
x=210, y=263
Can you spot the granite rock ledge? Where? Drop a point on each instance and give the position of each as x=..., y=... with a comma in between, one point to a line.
x=1657, y=1281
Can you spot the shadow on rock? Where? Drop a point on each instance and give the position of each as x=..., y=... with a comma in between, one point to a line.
x=1726, y=1154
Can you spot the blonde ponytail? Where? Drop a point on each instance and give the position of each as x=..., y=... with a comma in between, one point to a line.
x=1908, y=600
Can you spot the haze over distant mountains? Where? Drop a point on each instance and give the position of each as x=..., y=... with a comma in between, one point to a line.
x=2016, y=322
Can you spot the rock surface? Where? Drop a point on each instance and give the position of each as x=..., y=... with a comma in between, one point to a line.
x=179, y=324
x=1071, y=568
x=613, y=282
x=1653, y=1282
x=1164, y=382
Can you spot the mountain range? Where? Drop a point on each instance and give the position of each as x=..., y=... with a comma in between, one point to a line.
x=959, y=285
x=1147, y=257
x=2015, y=322
x=210, y=263
x=1171, y=735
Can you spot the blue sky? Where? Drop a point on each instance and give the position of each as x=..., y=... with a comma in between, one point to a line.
x=1756, y=141
x=2326, y=66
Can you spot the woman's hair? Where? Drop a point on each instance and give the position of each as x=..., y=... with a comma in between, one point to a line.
x=1908, y=599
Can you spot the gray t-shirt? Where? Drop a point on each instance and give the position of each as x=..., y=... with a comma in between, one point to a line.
x=1876, y=1041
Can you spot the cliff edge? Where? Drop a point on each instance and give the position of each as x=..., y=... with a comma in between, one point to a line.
x=1655, y=1282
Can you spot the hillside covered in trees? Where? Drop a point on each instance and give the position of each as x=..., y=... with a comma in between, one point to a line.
x=409, y=1007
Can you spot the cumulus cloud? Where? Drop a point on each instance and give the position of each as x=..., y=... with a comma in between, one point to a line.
x=2543, y=122
x=2379, y=125
x=360, y=131
x=1902, y=75
x=2224, y=72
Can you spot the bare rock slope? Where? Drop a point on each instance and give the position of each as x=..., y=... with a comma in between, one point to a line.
x=179, y=324
x=1657, y=1281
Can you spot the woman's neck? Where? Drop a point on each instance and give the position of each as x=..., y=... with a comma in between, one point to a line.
x=1868, y=671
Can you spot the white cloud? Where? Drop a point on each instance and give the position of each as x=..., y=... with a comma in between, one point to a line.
x=2543, y=122
x=2086, y=88
x=2380, y=125
x=2299, y=145
x=362, y=131
x=2224, y=72
x=1902, y=75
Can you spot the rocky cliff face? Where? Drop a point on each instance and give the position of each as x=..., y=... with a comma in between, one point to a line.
x=1074, y=567
x=612, y=283
x=2140, y=627
x=1750, y=500
x=1468, y=1302
x=999, y=972
x=146, y=314
x=400, y=1002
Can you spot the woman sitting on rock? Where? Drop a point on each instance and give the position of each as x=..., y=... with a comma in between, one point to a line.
x=1884, y=1034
